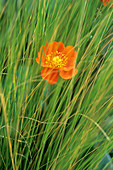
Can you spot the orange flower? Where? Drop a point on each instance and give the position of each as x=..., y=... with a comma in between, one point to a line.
x=105, y=2
x=57, y=59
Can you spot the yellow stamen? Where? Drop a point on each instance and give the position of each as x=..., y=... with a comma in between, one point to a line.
x=56, y=59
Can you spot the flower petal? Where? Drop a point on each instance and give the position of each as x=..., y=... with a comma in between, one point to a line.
x=53, y=77
x=42, y=52
x=51, y=47
x=60, y=47
x=45, y=73
x=70, y=55
x=37, y=60
x=68, y=74
x=55, y=46
x=105, y=2
x=49, y=74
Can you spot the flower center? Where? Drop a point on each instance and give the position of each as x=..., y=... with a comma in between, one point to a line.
x=56, y=59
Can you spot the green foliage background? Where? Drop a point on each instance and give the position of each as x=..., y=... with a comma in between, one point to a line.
x=68, y=125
